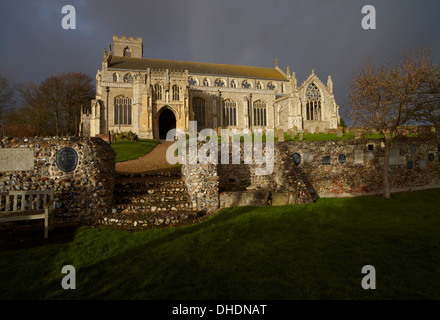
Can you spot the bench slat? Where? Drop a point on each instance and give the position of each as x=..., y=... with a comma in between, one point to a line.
x=14, y=208
x=7, y=204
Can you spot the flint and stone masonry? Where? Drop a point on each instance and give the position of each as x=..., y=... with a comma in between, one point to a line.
x=83, y=192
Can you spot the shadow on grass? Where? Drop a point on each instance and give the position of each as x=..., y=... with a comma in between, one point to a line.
x=300, y=251
x=20, y=237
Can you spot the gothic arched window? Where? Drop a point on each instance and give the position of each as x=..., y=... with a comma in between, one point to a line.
x=122, y=110
x=271, y=86
x=128, y=78
x=206, y=82
x=158, y=92
x=259, y=85
x=229, y=113
x=233, y=84
x=127, y=52
x=313, y=103
x=115, y=77
x=260, y=113
x=199, y=107
x=176, y=93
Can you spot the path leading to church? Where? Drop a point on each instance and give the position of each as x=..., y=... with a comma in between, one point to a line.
x=152, y=161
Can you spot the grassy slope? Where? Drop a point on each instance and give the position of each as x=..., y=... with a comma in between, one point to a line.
x=290, y=252
x=128, y=150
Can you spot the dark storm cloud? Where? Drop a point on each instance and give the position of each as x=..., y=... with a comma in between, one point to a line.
x=324, y=35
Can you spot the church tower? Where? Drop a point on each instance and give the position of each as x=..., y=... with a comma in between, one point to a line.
x=127, y=47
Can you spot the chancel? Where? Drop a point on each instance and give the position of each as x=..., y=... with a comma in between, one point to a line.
x=151, y=96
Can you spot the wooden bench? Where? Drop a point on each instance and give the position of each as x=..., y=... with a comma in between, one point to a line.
x=27, y=205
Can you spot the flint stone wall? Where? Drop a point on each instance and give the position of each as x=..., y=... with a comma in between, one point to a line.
x=325, y=169
x=80, y=196
x=354, y=167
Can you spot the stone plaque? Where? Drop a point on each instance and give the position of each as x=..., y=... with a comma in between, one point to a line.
x=413, y=149
x=431, y=157
x=325, y=160
x=370, y=155
x=308, y=157
x=359, y=157
x=422, y=164
x=342, y=158
x=16, y=159
x=67, y=159
x=410, y=164
x=296, y=158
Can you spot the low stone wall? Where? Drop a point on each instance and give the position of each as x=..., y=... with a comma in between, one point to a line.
x=306, y=170
x=352, y=167
x=81, y=195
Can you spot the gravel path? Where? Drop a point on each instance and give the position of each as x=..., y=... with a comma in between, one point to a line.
x=155, y=159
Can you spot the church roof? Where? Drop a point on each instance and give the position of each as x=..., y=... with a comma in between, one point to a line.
x=126, y=63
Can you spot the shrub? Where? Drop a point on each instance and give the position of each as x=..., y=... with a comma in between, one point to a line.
x=127, y=136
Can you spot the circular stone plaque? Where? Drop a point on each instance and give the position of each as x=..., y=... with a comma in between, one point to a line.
x=296, y=158
x=342, y=158
x=67, y=159
x=308, y=157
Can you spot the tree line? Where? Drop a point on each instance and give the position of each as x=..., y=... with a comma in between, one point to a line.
x=51, y=108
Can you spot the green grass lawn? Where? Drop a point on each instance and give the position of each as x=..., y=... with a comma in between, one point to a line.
x=129, y=150
x=313, y=251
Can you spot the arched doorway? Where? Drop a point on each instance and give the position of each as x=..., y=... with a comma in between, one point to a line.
x=167, y=121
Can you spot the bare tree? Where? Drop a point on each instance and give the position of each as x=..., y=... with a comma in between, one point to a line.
x=32, y=111
x=54, y=106
x=428, y=102
x=6, y=95
x=384, y=98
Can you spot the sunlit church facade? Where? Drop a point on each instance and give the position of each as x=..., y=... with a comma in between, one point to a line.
x=152, y=96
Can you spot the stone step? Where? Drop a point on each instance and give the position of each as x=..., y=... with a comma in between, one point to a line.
x=137, y=220
x=152, y=207
x=150, y=191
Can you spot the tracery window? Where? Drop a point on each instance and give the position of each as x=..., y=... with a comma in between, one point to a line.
x=259, y=113
x=229, y=113
x=199, y=108
x=176, y=93
x=127, y=52
x=233, y=84
x=219, y=82
x=246, y=84
x=206, y=82
x=158, y=91
x=128, y=78
x=271, y=86
x=122, y=110
x=313, y=103
x=192, y=81
x=259, y=85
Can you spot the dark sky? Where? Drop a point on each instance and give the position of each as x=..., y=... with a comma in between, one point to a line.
x=325, y=35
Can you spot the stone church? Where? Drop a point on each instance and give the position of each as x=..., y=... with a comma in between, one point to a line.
x=152, y=96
